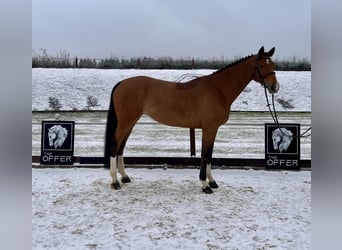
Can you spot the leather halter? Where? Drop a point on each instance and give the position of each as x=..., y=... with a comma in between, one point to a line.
x=263, y=77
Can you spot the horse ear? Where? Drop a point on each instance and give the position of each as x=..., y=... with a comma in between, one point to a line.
x=261, y=52
x=271, y=52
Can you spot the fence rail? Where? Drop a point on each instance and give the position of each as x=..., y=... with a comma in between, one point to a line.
x=156, y=123
x=176, y=162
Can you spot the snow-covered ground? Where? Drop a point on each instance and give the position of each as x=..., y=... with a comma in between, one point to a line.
x=166, y=209
x=73, y=86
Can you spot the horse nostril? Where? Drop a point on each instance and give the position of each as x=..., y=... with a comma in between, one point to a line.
x=275, y=88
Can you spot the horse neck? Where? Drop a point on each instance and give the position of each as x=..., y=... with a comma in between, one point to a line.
x=232, y=80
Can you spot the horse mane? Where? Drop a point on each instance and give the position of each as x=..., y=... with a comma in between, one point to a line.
x=191, y=83
x=233, y=64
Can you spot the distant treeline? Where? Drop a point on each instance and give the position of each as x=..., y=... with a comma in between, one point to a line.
x=63, y=60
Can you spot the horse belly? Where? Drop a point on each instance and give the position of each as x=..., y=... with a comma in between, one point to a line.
x=187, y=111
x=173, y=110
x=173, y=115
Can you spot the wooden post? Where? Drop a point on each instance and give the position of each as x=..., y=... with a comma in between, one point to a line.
x=139, y=63
x=192, y=142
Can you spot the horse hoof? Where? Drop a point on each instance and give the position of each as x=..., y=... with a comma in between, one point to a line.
x=115, y=185
x=125, y=179
x=213, y=184
x=207, y=190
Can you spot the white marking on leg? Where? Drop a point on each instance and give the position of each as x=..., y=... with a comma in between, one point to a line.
x=121, y=166
x=209, y=175
x=113, y=169
x=204, y=184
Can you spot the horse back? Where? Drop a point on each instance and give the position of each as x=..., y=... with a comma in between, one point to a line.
x=177, y=104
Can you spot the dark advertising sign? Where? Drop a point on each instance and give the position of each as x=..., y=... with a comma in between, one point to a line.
x=57, y=146
x=282, y=146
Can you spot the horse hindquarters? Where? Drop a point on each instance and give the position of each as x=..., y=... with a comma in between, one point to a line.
x=126, y=112
x=113, y=146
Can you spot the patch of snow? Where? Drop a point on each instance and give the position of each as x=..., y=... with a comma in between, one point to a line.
x=166, y=209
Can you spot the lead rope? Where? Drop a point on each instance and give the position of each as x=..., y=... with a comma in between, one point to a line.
x=275, y=115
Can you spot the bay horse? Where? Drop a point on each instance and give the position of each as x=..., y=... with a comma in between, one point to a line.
x=202, y=103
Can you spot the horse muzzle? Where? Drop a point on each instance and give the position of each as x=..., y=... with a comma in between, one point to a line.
x=273, y=87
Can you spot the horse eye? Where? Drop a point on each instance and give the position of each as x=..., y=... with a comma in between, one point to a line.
x=261, y=66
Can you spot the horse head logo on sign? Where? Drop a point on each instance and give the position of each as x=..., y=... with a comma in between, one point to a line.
x=282, y=139
x=282, y=148
x=57, y=135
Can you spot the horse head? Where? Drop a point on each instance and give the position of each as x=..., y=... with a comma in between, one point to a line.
x=57, y=135
x=265, y=70
x=281, y=139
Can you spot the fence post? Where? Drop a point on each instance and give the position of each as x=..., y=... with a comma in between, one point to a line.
x=76, y=62
x=192, y=142
x=139, y=64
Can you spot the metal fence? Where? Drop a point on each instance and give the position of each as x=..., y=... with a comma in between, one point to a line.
x=190, y=162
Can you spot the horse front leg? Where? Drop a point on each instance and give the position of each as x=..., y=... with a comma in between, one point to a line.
x=206, y=177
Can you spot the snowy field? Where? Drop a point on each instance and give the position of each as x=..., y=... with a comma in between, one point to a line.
x=166, y=209
x=73, y=86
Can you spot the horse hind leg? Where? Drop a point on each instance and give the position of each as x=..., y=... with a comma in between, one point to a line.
x=121, y=165
x=117, y=162
x=117, y=165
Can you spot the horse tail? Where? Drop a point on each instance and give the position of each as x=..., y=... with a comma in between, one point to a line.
x=112, y=123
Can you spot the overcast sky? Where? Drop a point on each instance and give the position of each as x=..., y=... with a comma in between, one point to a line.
x=176, y=28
